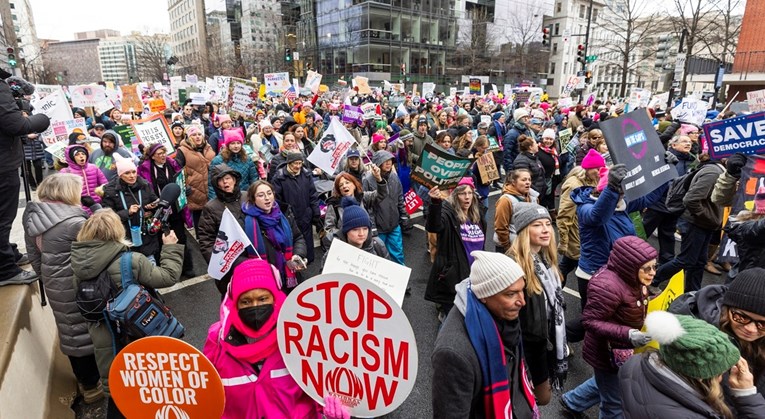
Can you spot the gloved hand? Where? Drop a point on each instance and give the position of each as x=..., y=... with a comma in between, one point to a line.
x=638, y=338
x=670, y=158
x=335, y=409
x=318, y=223
x=616, y=175
x=559, y=376
x=734, y=164
x=87, y=201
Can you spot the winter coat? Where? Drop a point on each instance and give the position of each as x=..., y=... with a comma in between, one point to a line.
x=277, y=162
x=90, y=258
x=196, y=164
x=567, y=221
x=601, y=222
x=299, y=192
x=333, y=219
x=107, y=164
x=418, y=145
x=299, y=244
x=269, y=392
x=651, y=390
x=113, y=193
x=510, y=144
x=451, y=265
x=92, y=176
x=725, y=190
x=616, y=303
x=50, y=229
x=12, y=125
x=504, y=230
x=247, y=168
x=34, y=149
x=212, y=213
x=531, y=162
x=389, y=210
x=699, y=209
x=372, y=245
x=750, y=242
x=685, y=163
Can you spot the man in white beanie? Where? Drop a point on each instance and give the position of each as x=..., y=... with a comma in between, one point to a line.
x=478, y=346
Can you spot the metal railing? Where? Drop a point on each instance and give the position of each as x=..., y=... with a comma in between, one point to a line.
x=748, y=62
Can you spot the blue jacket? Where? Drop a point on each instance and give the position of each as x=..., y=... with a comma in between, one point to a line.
x=600, y=224
x=510, y=145
x=247, y=168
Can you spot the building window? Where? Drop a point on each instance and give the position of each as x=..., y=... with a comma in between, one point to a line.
x=555, y=49
x=558, y=7
x=556, y=31
x=594, y=15
x=582, y=11
x=552, y=67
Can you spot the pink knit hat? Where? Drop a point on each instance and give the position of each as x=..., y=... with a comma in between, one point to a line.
x=603, y=182
x=232, y=136
x=759, y=201
x=223, y=118
x=123, y=164
x=193, y=129
x=593, y=160
x=256, y=274
x=466, y=181
x=376, y=138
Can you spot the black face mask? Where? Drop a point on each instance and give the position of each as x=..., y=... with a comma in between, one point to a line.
x=255, y=317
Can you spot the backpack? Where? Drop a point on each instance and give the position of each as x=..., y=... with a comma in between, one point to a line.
x=140, y=312
x=677, y=191
x=92, y=296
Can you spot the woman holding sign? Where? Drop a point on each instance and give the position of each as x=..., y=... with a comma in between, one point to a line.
x=242, y=346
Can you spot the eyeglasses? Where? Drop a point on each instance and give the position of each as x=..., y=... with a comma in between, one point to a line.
x=650, y=268
x=742, y=318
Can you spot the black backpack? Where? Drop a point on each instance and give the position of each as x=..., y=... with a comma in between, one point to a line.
x=677, y=191
x=93, y=296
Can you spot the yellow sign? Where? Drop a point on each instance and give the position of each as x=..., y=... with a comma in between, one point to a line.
x=674, y=289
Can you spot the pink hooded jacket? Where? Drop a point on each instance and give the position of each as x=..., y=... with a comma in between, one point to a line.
x=92, y=176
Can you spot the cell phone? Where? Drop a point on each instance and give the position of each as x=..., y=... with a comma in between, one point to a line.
x=302, y=263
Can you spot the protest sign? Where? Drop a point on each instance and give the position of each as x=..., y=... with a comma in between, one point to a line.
x=221, y=88
x=752, y=178
x=157, y=105
x=352, y=114
x=564, y=136
x=191, y=78
x=313, y=81
x=508, y=90
x=452, y=91
x=690, y=110
x=180, y=180
x=332, y=147
x=363, y=84
x=487, y=167
x=131, y=100
x=154, y=130
x=756, y=100
x=475, y=86
x=59, y=131
x=276, y=83
x=633, y=141
x=436, y=167
x=493, y=144
x=369, y=110
x=85, y=96
x=164, y=377
x=571, y=83
x=565, y=102
x=486, y=119
x=389, y=276
x=428, y=89
x=229, y=244
x=343, y=336
x=412, y=202
x=198, y=98
x=242, y=97
x=675, y=288
x=42, y=90
x=638, y=99
x=54, y=106
x=126, y=133
x=494, y=89
x=742, y=134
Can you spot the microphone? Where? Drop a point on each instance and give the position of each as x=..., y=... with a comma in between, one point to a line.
x=167, y=196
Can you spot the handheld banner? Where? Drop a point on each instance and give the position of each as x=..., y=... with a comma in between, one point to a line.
x=752, y=177
x=675, y=288
x=633, y=141
x=756, y=100
x=229, y=244
x=164, y=377
x=313, y=81
x=487, y=168
x=85, y=96
x=690, y=110
x=436, y=167
x=131, y=100
x=352, y=114
x=276, y=83
x=389, y=276
x=412, y=202
x=742, y=134
x=332, y=146
x=58, y=131
x=475, y=86
x=153, y=130
x=340, y=335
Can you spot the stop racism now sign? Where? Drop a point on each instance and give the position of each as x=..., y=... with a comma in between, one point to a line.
x=343, y=336
x=165, y=378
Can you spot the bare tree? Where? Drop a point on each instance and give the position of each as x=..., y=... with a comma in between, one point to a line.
x=694, y=19
x=151, y=53
x=523, y=29
x=722, y=34
x=473, y=54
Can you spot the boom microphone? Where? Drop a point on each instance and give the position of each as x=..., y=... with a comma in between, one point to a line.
x=167, y=196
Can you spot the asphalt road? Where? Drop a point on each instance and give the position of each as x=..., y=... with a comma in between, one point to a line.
x=196, y=304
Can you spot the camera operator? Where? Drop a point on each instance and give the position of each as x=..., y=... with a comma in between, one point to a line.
x=14, y=125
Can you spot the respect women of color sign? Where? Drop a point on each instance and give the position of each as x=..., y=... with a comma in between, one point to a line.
x=343, y=336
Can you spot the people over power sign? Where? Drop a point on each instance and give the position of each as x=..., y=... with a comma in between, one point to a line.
x=343, y=336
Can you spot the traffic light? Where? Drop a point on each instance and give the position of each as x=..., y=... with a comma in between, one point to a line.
x=546, y=35
x=287, y=54
x=11, y=57
x=580, y=53
x=588, y=77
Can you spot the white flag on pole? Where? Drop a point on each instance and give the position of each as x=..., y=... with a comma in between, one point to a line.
x=229, y=244
x=332, y=147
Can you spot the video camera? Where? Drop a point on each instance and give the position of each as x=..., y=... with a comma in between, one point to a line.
x=167, y=197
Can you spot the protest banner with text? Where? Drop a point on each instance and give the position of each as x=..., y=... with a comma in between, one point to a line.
x=154, y=130
x=752, y=178
x=276, y=83
x=742, y=134
x=436, y=167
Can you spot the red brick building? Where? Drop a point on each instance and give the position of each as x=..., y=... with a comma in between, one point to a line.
x=749, y=63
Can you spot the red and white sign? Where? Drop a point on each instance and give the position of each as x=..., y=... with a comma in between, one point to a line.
x=412, y=202
x=343, y=336
x=164, y=377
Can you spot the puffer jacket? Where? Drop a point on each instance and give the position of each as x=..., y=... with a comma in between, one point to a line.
x=601, y=223
x=12, y=125
x=34, y=149
x=510, y=144
x=531, y=162
x=196, y=164
x=333, y=219
x=299, y=192
x=567, y=221
x=92, y=176
x=616, y=302
x=388, y=211
x=651, y=390
x=685, y=163
x=699, y=209
x=50, y=229
x=90, y=258
x=247, y=168
x=209, y=222
x=750, y=242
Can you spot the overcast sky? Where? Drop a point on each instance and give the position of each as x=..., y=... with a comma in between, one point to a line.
x=59, y=19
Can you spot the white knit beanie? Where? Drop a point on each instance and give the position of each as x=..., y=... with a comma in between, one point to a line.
x=492, y=272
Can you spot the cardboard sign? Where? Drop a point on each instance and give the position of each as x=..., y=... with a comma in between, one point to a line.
x=752, y=177
x=157, y=105
x=756, y=100
x=369, y=109
x=164, y=377
x=332, y=147
x=313, y=81
x=363, y=84
x=352, y=114
x=487, y=167
x=343, y=336
x=221, y=89
x=691, y=111
x=436, y=167
x=742, y=134
x=475, y=86
x=494, y=145
x=86, y=96
x=154, y=130
x=564, y=136
x=428, y=89
x=242, y=97
x=638, y=99
x=126, y=133
x=389, y=276
x=571, y=83
x=412, y=202
x=633, y=141
x=276, y=83
x=565, y=102
x=131, y=100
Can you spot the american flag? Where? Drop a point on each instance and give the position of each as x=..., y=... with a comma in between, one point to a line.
x=290, y=94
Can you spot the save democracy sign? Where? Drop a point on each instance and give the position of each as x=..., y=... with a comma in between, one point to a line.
x=742, y=134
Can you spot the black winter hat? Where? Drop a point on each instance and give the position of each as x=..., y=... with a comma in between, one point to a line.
x=747, y=291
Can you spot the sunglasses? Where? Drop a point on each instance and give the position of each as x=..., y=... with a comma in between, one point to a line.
x=650, y=268
x=742, y=318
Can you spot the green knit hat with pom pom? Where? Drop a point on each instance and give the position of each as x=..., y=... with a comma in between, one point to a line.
x=690, y=346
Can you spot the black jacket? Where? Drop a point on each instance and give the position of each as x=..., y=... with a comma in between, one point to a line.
x=299, y=193
x=750, y=242
x=14, y=124
x=531, y=162
x=212, y=214
x=113, y=193
x=699, y=208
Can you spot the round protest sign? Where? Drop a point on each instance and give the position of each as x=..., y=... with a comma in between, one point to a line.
x=343, y=336
x=165, y=378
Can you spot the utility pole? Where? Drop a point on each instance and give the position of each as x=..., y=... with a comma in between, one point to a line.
x=680, y=55
x=587, y=36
